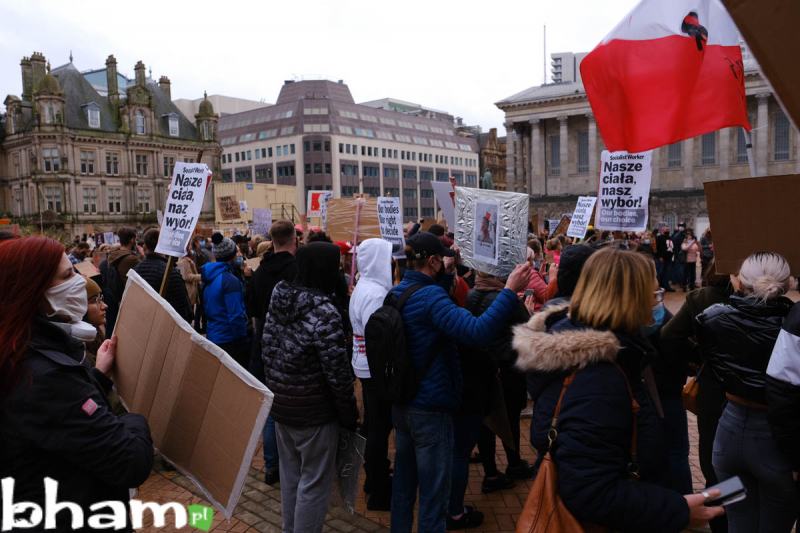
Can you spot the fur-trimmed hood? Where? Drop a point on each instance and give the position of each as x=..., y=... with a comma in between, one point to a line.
x=541, y=351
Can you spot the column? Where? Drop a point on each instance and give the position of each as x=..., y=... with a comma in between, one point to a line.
x=536, y=175
x=725, y=152
x=525, y=156
x=655, y=182
x=518, y=160
x=360, y=177
x=563, y=154
x=380, y=176
x=594, y=157
x=688, y=163
x=761, y=131
x=510, y=164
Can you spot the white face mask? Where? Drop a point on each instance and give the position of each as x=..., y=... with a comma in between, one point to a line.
x=68, y=299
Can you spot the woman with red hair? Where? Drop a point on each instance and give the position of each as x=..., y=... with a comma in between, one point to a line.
x=55, y=421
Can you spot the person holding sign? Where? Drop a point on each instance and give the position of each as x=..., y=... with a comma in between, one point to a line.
x=152, y=271
x=55, y=419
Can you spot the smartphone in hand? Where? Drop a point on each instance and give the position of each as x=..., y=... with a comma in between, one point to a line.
x=731, y=491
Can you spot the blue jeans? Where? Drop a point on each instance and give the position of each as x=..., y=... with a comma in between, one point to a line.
x=465, y=436
x=270, y=444
x=424, y=459
x=744, y=447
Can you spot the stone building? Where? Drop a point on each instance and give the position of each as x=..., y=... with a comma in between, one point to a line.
x=553, y=151
x=95, y=148
x=493, y=158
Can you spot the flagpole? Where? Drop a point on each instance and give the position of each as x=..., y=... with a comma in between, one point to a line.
x=749, y=148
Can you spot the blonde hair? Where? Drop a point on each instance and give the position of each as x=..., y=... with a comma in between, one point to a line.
x=765, y=275
x=615, y=291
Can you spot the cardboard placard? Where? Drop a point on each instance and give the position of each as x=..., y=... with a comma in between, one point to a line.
x=204, y=232
x=185, y=196
x=228, y=208
x=769, y=27
x=316, y=203
x=561, y=228
x=753, y=214
x=87, y=268
x=205, y=412
x=342, y=219
x=535, y=223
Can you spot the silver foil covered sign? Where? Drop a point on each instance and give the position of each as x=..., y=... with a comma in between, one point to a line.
x=491, y=229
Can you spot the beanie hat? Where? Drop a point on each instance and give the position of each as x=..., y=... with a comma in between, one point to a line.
x=223, y=248
x=570, y=266
x=92, y=288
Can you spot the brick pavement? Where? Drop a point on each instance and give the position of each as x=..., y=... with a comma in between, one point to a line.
x=259, y=508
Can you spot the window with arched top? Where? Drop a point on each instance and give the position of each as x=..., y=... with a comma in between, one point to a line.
x=139, y=119
x=206, y=130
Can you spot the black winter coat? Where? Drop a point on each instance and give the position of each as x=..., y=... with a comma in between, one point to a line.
x=783, y=389
x=152, y=271
x=57, y=423
x=272, y=269
x=738, y=338
x=592, y=450
x=305, y=361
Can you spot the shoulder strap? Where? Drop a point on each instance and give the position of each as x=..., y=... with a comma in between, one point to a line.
x=401, y=302
x=633, y=466
x=552, y=433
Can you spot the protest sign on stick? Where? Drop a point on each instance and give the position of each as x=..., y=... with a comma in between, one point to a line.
x=391, y=223
x=184, y=203
x=624, y=191
x=561, y=227
x=442, y=191
x=316, y=202
x=579, y=222
x=204, y=410
x=342, y=214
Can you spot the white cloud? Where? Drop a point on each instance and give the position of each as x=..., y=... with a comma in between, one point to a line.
x=457, y=56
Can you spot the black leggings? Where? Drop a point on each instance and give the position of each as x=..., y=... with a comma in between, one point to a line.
x=516, y=397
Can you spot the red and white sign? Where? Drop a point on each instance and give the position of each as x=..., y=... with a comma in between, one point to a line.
x=316, y=202
x=671, y=70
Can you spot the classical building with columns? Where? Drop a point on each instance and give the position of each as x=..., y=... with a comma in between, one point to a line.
x=94, y=147
x=553, y=151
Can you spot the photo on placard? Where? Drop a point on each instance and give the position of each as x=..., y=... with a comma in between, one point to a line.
x=485, y=232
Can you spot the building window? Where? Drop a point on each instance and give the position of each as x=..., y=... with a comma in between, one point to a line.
x=349, y=170
x=52, y=161
x=341, y=148
x=114, y=200
x=426, y=193
x=327, y=146
x=139, y=118
x=709, y=149
x=52, y=197
x=264, y=174
x=410, y=212
x=442, y=176
x=169, y=166
x=87, y=162
x=89, y=200
x=93, y=116
x=206, y=129
x=674, y=155
x=227, y=177
x=143, y=200
x=781, y=141
x=173, y=127
x=410, y=173
x=243, y=175
x=555, y=155
x=583, y=152
x=316, y=146
x=409, y=194
x=141, y=164
x=390, y=172
x=49, y=114
x=317, y=168
x=370, y=171
x=112, y=164
x=391, y=191
x=741, y=146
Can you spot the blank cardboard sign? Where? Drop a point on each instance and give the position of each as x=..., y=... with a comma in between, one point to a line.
x=204, y=410
x=751, y=215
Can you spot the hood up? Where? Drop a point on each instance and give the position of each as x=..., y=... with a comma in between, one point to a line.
x=374, y=257
x=291, y=303
x=212, y=271
x=542, y=351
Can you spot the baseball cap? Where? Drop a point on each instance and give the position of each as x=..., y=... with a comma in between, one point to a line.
x=427, y=244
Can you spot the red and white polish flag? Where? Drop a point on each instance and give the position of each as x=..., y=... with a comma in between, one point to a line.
x=671, y=70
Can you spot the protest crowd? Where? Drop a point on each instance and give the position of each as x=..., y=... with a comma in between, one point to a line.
x=445, y=358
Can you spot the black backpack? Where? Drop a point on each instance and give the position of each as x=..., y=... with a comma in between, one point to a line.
x=390, y=365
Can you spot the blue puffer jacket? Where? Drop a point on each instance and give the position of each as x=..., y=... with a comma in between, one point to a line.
x=223, y=301
x=433, y=324
x=592, y=449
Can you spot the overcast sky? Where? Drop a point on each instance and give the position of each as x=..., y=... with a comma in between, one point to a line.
x=458, y=56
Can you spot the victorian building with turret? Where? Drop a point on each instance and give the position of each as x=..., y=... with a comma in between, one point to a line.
x=95, y=148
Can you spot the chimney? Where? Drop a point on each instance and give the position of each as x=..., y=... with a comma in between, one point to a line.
x=139, y=70
x=111, y=76
x=27, y=78
x=38, y=69
x=164, y=84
